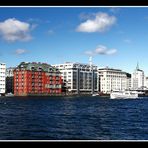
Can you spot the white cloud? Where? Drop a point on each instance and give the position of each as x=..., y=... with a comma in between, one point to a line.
x=111, y=51
x=100, y=23
x=101, y=49
x=20, y=51
x=33, y=26
x=14, y=30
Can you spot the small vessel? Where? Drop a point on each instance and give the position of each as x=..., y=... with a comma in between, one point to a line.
x=9, y=95
x=124, y=94
x=95, y=95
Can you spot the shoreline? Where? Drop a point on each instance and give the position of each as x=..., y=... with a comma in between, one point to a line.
x=67, y=95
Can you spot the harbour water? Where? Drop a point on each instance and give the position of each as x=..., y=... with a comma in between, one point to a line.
x=73, y=118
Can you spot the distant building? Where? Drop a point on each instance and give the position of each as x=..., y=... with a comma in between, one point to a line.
x=128, y=81
x=112, y=79
x=137, y=79
x=146, y=82
x=9, y=71
x=2, y=78
x=79, y=78
x=37, y=79
x=10, y=80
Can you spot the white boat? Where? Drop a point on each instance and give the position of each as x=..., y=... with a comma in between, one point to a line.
x=124, y=95
x=9, y=95
x=95, y=95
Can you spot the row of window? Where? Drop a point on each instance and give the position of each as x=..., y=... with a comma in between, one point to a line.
x=2, y=77
x=37, y=91
x=51, y=77
x=114, y=82
x=2, y=69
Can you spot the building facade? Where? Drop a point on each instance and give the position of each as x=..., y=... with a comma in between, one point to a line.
x=79, y=78
x=111, y=79
x=146, y=82
x=10, y=80
x=128, y=81
x=138, y=79
x=37, y=79
x=2, y=78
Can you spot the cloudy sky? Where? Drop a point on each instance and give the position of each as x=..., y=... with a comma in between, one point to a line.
x=114, y=37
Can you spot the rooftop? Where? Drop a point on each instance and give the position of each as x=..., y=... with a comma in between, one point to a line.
x=107, y=68
x=36, y=66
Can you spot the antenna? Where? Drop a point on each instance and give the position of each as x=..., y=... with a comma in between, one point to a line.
x=90, y=61
x=91, y=70
x=137, y=67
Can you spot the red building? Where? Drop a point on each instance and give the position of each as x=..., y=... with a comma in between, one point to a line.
x=37, y=79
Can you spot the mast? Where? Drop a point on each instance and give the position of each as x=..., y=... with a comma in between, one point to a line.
x=92, y=71
x=137, y=67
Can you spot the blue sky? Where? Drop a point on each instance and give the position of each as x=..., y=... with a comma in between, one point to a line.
x=114, y=37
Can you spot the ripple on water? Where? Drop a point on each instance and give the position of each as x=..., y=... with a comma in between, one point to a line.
x=73, y=118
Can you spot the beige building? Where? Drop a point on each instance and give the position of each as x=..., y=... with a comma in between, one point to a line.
x=113, y=79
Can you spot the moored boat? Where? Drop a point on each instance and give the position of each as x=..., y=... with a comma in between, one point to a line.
x=124, y=94
x=9, y=95
x=95, y=95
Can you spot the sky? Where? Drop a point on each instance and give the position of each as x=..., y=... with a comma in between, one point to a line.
x=116, y=37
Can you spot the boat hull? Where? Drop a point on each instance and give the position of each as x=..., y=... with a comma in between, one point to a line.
x=123, y=95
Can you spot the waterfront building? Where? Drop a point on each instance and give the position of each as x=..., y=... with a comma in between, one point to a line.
x=2, y=78
x=112, y=79
x=128, y=81
x=10, y=80
x=137, y=79
x=79, y=78
x=37, y=79
x=146, y=82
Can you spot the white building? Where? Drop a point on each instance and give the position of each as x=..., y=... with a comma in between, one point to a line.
x=146, y=82
x=128, y=81
x=9, y=72
x=112, y=79
x=79, y=78
x=2, y=78
x=138, y=79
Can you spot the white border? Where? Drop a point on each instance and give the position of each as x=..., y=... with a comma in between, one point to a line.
x=72, y=6
x=74, y=140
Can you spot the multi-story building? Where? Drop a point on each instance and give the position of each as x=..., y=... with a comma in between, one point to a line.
x=79, y=78
x=37, y=79
x=112, y=79
x=146, y=82
x=9, y=71
x=137, y=79
x=128, y=81
x=10, y=80
x=2, y=78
